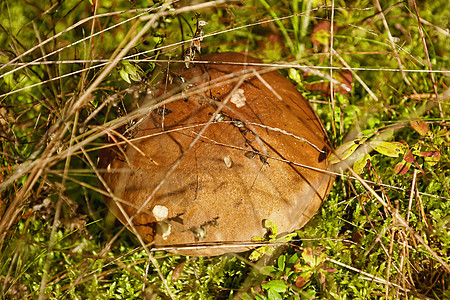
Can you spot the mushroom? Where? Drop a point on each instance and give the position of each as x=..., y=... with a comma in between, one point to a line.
x=241, y=147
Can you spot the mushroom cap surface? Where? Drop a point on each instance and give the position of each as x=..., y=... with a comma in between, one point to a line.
x=244, y=152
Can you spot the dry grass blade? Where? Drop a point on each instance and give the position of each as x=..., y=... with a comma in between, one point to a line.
x=427, y=56
x=391, y=41
x=401, y=221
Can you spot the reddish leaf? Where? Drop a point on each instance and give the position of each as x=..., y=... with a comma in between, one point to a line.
x=402, y=167
x=177, y=271
x=409, y=157
x=329, y=269
x=344, y=77
x=300, y=282
x=420, y=126
x=321, y=33
x=431, y=158
x=320, y=249
x=428, y=154
x=318, y=86
x=322, y=279
x=274, y=46
x=257, y=290
x=303, y=279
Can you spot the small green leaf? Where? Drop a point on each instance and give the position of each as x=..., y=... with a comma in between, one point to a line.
x=129, y=71
x=258, y=239
x=274, y=295
x=151, y=67
x=288, y=271
x=295, y=75
x=294, y=258
x=299, y=268
x=372, y=122
x=281, y=262
x=276, y=285
x=359, y=165
x=321, y=258
x=267, y=270
x=308, y=256
x=272, y=227
x=258, y=253
x=391, y=149
x=344, y=151
x=124, y=75
x=286, y=238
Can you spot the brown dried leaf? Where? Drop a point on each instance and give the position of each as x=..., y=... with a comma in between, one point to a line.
x=420, y=126
x=408, y=157
x=177, y=271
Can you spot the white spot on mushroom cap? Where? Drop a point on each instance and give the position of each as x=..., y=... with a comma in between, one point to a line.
x=238, y=98
x=160, y=212
x=165, y=228
x=228, y=162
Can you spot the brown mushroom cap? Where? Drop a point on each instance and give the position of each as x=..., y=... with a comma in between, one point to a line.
x=261, y=158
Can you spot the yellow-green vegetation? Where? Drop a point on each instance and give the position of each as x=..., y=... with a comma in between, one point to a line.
x=69, y=67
